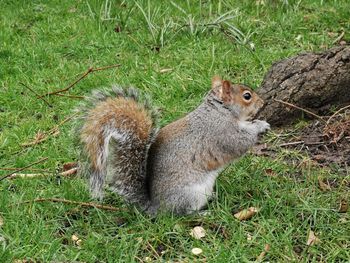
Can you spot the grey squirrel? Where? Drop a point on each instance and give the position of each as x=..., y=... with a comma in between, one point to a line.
x=173, y=168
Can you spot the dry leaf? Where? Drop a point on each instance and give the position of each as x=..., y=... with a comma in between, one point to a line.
x=196, y=251
x=1, y=221
x=323, y=186
x=312, y=239
x=270, y=172
x=76, y=240
x=343, y=207
x=246, y=213
x=197, y=232
x=69, y=166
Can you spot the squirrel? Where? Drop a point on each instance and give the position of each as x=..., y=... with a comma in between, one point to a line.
x=173, y=168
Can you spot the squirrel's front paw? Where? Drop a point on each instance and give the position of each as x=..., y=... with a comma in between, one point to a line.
x=261, y=126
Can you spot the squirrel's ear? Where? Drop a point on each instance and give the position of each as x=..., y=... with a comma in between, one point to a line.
x=216, y=82
x=226, y=93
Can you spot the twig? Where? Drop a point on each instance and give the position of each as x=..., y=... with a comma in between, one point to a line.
x=33, y=175
x=90, y=70
x=20, y=175
x=290, y=143
x=23, y=168
x=67, y=119
x=70, y=172
x=299, y=142
x=338, y=38
x=36, y=94
x=41, y=137
x=70, y=85
x=302, y=109
x=59, y=200
x=15, y=169
x=336, y=113
x=153, y=249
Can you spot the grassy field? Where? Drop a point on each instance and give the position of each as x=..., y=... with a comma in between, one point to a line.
x=169, y=49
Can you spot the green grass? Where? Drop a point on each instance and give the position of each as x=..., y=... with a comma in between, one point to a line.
x=48, y=44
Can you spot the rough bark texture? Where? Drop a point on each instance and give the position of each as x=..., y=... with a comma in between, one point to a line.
x=314, y=81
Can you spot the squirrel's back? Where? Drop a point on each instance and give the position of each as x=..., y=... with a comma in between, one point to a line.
x=116, y=130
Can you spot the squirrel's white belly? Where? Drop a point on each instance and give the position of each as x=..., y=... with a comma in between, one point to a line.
x=203, y=190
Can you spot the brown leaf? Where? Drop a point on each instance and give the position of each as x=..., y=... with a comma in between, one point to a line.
x=312, y=239
x=343, y=207
x=323, y=186
x=270, y=172
x=246, y=213
x=69, y=165
x=1, y=221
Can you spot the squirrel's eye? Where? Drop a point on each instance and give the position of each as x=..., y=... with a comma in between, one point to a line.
x=247, y=95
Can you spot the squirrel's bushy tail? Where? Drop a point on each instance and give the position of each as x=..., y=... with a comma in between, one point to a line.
x=116, y=128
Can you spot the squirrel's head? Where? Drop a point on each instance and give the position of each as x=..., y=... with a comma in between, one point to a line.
x=238, y=97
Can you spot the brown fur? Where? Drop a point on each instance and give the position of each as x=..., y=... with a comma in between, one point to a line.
x=171, y=131
x=212, y=162
x=126, y=113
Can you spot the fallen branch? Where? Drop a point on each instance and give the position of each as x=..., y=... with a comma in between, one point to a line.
x=90, y=70
x=36, y=94
x=85, y=204
x=23, y=168
x=302, y=109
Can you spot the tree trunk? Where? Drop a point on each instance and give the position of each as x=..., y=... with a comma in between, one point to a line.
x=318, y=82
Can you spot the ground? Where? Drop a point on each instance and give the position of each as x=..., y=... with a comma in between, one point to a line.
x=170, y=50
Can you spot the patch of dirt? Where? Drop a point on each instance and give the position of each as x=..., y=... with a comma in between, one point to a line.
x=327, y=142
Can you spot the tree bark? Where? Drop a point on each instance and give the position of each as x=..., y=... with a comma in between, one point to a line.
x=318, y=82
